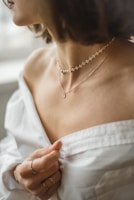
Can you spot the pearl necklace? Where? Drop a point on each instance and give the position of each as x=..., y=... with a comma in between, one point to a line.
x=64, y=93
x=89, y=59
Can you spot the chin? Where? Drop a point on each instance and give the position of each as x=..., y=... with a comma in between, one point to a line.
x=19, y=21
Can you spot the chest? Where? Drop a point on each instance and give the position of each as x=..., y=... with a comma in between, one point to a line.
x=82, y=108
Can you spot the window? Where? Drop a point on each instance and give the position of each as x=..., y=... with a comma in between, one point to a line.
x=15, y=42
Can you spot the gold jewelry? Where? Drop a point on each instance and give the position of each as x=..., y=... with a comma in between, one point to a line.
x=34, y=172
x=64, y=93
x=52, y=180
x=45, y=186
x=85, y=62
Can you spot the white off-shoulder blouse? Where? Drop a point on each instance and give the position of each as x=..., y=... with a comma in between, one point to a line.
x=97, y=163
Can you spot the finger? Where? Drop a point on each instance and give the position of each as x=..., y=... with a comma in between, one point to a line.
x=41, y=152
x=51, y=182
x=50, y=192
x=39, y=190
x=43, y=186
x=39, y=165
x=45, y=162
x=56, y=146
x=49, y=173
x=33, y=183
x=53, y=179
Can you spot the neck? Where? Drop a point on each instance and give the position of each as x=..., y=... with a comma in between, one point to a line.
x=71, y=54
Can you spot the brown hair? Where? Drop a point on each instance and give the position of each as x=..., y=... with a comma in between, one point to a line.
x=91, y=21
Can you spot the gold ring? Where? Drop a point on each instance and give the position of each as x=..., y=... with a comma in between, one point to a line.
x=52, y=180
x=34, y=172
x=45, y=186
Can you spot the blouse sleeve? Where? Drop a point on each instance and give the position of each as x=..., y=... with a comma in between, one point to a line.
x=9, y=158
x=9, y=152
x=24, y=136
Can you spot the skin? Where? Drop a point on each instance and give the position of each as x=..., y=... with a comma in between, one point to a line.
x=110, y=91
x=105, y=97
x=21, y=14
x=45, y=162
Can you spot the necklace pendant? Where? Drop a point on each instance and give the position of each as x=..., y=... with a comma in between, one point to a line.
x=63, y=95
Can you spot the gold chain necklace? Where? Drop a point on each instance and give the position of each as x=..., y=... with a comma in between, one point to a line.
x=64, y=93
x=85, y=62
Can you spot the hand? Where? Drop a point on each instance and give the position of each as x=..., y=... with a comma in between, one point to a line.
x=39, y=173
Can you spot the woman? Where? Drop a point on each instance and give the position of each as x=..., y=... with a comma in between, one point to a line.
x=71, y=123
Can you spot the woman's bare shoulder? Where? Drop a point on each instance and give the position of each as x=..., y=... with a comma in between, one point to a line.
x=37, y=63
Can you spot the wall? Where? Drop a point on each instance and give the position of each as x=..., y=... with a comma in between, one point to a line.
x=6, y=91
x=9, y=72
